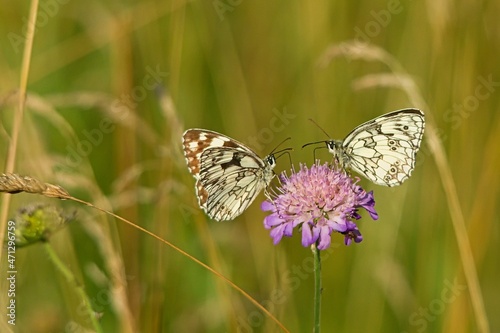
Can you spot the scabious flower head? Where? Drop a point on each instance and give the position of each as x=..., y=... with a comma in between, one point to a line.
x=318, y=200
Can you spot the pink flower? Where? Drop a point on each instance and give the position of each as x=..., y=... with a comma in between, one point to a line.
x=318, y=200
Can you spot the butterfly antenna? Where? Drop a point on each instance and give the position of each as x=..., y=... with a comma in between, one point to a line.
x=313, y=143
x=314, y=152
x=283, y=152
x=315, y=123
x=282, y=142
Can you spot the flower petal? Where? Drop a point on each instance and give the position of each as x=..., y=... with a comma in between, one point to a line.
x=277, y=234
x=288, y=231
x=352, y=233
x=368, y=203
x=272, y=221
x=324, y=238
x=307, y=237
x=267, y=206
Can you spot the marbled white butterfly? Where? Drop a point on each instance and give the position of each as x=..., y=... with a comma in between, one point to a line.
x=228, y=174
x=382, y=149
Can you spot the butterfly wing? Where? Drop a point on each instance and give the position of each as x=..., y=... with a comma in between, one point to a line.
x=384, y=149
x=196, y=140
x=229, y=174
x=229, y=181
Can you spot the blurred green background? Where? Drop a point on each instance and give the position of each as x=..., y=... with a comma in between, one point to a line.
x=111, y=87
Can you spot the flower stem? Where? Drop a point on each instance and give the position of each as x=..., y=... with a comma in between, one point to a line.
x=317, y=287
x=79, y=288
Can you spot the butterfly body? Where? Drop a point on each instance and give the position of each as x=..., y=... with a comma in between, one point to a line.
x=228, y=174
x=335, y=148
x=383, y=149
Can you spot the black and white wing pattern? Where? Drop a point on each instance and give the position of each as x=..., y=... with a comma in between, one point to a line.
x=228, y=174
x=383, y=149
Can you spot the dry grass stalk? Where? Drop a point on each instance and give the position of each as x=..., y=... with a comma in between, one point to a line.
x=14, y=183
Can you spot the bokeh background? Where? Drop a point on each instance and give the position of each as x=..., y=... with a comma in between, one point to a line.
x=113, y=84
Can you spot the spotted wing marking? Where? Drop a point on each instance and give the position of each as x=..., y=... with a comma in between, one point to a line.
x=196, y=140
x=384, y=149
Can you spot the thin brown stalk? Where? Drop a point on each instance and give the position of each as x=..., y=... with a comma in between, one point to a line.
x=18, y=117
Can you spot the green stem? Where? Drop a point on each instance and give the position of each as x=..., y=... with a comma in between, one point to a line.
x=317, y=288
x=72, y=280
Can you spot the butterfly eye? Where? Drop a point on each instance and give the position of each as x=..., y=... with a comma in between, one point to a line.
x=330, y=145
x=271, y=160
